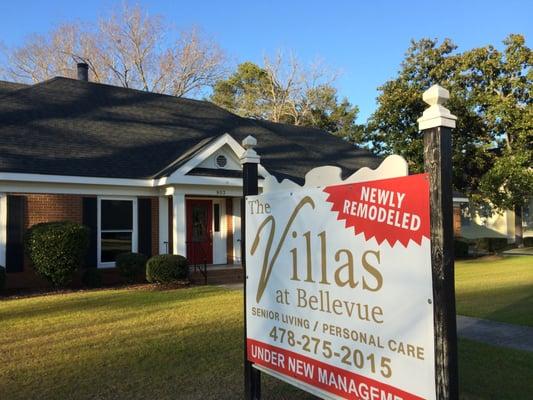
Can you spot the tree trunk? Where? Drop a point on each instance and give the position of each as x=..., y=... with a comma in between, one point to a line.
x=518, y=231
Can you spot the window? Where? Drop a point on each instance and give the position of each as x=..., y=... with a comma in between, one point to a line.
x=117, y=229
x=221, y=161
x=199, y=224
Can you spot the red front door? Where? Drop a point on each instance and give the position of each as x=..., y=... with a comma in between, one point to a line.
x=199, y=231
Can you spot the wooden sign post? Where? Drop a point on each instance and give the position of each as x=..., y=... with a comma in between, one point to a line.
x=249, y=161
x=436, y=124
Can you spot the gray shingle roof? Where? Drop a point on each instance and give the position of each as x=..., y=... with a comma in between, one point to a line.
x=68, y=127
x=8, y=87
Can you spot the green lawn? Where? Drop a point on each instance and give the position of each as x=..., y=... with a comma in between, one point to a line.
x=178, y=344
x=500, y=289
x=116, y=344
x=488, y=372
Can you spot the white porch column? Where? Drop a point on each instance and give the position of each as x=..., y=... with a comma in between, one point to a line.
x=3, y=228
x=178, y=222
x=237, y=230
x=164, y=245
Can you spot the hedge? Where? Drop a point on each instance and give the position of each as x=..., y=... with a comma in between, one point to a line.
x=91, y=278
x=57, y=249
x=528, y=241
x=460, y=248
x=492, y=245
x=131, y=265
x=166, y=268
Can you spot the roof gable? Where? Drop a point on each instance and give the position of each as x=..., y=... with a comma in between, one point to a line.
x=223, y=158
x=206, y=158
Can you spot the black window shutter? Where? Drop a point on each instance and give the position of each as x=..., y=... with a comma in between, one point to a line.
x=16, y=206
x=90, y=216
x=144, y=209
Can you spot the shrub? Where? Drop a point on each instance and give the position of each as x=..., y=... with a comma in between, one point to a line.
x=460, y=248
x=131, y=265
x=57, y=249
x=91, y=278
x=499, y=244
x=2, y=278
x=166, y=268
x=528, y=241
x=492, y=244
x=482, y=244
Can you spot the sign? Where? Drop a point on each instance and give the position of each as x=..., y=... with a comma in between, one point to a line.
x=339, y=288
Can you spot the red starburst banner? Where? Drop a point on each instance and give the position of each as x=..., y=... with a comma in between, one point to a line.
x=392, y=210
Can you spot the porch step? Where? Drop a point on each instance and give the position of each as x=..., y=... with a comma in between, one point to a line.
x=218, y=275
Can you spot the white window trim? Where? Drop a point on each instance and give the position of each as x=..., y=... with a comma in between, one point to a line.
x=134, y=235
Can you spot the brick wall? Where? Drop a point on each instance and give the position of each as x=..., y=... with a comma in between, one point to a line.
x=53, y=207
x=457, y=220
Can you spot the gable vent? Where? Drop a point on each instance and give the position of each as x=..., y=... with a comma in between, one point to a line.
x=221, y=161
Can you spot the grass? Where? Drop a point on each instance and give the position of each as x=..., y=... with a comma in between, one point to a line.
x=499, y=289
x=176, y=344
x=488, y=372
x=115, y=344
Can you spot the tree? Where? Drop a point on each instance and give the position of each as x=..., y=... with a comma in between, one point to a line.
x=508, y=107
x=45, y=56
x=129, y=48
x=245, y=92
x=282, y=90
x=490, y=96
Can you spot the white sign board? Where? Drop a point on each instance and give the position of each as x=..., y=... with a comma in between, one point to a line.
x=339, y=288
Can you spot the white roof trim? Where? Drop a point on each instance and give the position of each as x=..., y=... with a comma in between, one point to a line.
x=17, y=178
x=21, y=177
x=202, y=180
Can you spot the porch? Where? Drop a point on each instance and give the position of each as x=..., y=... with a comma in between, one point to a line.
x=207, y=230
x=216, y=274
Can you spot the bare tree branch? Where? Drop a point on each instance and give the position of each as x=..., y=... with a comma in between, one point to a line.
x=126, y=48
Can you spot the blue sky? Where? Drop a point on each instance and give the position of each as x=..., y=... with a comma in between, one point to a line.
x=366, y=41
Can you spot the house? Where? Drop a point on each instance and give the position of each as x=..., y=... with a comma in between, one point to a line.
x=145, y=172
x=476, y=223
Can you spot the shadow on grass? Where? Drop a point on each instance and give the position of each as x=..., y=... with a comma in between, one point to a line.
x=500, y=290
x=105, y=300
x=520, y=312
x=511, y=305
x=201, y=363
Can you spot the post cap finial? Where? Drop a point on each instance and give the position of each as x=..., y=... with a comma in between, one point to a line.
x=249, y=155
x=249, y=142
x=436, y=114
x=436, y=94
